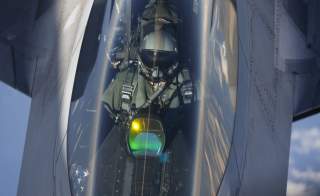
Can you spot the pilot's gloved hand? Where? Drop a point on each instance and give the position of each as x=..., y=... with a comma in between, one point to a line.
x=123, y=120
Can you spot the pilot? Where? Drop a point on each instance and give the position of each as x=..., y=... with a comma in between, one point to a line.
x=152, y=79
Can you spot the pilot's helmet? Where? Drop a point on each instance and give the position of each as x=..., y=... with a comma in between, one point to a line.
x=158, y=50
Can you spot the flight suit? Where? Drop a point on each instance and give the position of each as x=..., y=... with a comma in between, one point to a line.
x=143, y=90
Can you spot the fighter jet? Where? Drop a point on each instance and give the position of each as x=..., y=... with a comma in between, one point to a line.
x=254, y=67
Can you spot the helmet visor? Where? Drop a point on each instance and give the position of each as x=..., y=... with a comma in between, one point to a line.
x=159, y=41
x=158, y=35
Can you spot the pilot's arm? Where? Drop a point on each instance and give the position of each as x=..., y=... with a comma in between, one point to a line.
x=111, y=96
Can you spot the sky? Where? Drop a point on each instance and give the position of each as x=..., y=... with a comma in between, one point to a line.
x=304, y=164
x=14, y=112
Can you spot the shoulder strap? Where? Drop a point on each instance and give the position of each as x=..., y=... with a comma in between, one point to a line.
x=127, y=89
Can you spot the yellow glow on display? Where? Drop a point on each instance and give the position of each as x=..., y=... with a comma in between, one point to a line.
x=135, y=125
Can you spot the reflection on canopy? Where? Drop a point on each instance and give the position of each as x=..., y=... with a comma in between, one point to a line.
x=219, y=85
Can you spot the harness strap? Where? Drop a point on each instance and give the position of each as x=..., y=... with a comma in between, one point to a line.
x=128, y=89
x=154, y=96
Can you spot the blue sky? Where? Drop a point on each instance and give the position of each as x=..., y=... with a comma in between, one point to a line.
x=304, y=164
x=14, y=112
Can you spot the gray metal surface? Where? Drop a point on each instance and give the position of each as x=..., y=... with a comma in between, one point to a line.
x=51, y=48
x=260, y=148
x=17, y=52
x=267, y=94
